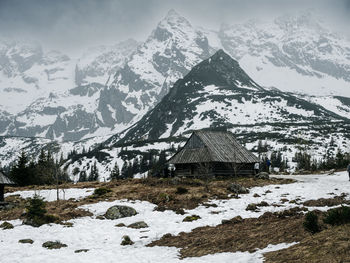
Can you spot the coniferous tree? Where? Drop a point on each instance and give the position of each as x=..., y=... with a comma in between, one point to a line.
x=61, y=162
x=125, y=170
x=21, y=173
x=143, y=164
x=130, y=173
x=115, y=174
x=82, y=176
x=136, y=166
x=93, y=173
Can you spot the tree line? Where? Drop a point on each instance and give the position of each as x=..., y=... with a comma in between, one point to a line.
x=46, y=170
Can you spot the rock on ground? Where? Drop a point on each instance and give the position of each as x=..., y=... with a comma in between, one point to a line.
x=263, y=175
x=53, y=245
x=237, y=189
x=119, y=211
x=137, y=225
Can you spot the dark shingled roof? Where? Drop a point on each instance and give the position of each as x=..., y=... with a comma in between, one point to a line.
x=4, y=179
x=218, y=146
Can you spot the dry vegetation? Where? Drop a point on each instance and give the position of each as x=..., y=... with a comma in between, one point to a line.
x=239, y=234
x=162, y=192
x=331, y=246
x=337, y=200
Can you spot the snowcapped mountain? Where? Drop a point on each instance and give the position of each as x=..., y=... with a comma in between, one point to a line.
x=27, y=73
x=216, y=93
x=294, y=53
x=97, y=64
x=113, y=86
x=167, y=86
x=169, y=53
x=61, y=98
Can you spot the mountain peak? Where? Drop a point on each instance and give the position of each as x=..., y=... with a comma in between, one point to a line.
x=221, y=55
x=173, y=18
x=222, y=69
x=172, y=13
x=221, y=61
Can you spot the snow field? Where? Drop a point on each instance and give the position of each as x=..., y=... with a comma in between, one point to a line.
x=51, y=194
x=103, y=239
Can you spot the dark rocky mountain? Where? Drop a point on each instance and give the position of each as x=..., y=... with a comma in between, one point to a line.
x=218, y=93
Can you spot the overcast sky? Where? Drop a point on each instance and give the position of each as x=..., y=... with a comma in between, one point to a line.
x=71, y=25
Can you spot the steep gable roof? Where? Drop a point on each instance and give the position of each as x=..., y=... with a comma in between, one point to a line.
x=4, y=179
x=217, y=146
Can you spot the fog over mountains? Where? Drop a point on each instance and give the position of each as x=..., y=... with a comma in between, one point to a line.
x=182, y=77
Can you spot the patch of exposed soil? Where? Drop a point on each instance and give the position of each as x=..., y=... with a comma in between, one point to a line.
x=239, y=234
x=331, y=246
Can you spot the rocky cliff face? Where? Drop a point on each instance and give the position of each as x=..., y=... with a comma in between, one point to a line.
x=218, y=93
x=295, y=53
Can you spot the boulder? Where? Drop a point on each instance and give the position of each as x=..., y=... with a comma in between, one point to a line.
x=26, y=241
x=53, y=245
x=119, y=211
x=138, y=225
x=127, y=241
x=81, y=250
x=263, y=175
x=237, y=189
x=252, y=207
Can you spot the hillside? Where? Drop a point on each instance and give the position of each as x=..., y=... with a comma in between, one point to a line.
x=218, y=94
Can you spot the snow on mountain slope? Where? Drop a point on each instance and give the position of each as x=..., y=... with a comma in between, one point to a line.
x=52, y=105
x=87, y=108
x=9, y=148
x=171, y=50
x=97, y=64
x=67, y=99
x=217, y=92
x=295, y=53
x=337, y=104
x=27, y=73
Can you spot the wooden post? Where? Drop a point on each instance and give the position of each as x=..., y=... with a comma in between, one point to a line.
x=2, y=191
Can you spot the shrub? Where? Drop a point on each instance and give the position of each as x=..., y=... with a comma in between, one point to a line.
x=191, y=218
x=311, y=223
x=6, y=225
x=36, y=207
x=101, y=191
x=36, y=213
x=337, y=216
x=164, y=197
x=181, y=190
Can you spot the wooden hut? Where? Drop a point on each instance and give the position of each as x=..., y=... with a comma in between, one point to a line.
x=215, y=153
x=4, y=180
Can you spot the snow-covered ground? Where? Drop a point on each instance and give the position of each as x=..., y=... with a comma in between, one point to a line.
x=51, y=195
x=103, y=239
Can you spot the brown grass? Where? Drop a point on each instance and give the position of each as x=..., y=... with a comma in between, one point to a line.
x=331, y=246
x=239, y=235
x=161, y=192
x=337, y=200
